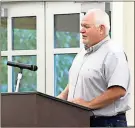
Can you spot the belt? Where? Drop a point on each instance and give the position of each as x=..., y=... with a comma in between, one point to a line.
x=119, y=114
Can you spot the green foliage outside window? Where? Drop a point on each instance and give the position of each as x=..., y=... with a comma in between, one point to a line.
x=24, y=39
x=62, y=65
x=3, y=75
x=24, y=33
x=3, y=34
x=67, y=40
x=29, y=79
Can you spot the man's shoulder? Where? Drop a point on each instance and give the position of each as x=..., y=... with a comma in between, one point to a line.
x=114, y=51
x=114, y=47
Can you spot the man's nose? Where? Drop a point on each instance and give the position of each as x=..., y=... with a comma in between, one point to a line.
x=82, y=30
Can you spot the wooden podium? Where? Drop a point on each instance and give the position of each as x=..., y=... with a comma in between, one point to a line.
x=35, y=109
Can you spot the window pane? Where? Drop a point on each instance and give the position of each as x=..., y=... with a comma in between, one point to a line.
x=29, y=79
x=61, y=67
x=3, y=34
x=3, y=75
x=66, y=31
x=24, y=33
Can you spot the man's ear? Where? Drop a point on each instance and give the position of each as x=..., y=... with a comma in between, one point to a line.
x=102, y=29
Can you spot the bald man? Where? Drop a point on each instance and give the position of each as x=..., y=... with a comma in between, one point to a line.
x=99, y=77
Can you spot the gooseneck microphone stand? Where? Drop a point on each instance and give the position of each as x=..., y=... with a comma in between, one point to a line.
x=21, y=66
x=19, y=77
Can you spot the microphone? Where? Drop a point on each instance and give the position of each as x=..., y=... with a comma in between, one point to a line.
x=23, y=66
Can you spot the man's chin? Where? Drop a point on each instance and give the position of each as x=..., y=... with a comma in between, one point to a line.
x=85, y=43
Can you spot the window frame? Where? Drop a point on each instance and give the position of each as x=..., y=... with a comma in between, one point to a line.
x=28, y=11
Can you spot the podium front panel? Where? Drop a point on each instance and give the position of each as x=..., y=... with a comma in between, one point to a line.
x=41, y=110
x=18, y=110
x=58, y=114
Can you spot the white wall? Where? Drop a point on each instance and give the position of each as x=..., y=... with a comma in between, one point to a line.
x=128, y=40
x=117, y=22
x=123, y=34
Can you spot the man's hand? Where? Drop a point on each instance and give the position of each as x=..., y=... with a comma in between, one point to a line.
x=80, y=102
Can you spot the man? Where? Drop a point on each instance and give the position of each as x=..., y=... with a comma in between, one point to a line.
x=99, y=77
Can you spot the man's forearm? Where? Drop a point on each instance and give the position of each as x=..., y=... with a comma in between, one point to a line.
x=107, y=98
x=64, y=94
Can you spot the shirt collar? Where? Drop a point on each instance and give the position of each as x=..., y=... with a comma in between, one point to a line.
x=96, y=46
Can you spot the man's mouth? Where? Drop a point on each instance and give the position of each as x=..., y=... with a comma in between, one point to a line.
x=84, y=37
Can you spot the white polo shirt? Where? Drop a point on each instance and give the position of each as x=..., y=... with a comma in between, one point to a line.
x=96, y=69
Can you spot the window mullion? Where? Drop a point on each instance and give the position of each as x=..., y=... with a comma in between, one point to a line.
x=9, y=46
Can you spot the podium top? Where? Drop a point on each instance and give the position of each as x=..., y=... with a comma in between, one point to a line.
x=46, y=96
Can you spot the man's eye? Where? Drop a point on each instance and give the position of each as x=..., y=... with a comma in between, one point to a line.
x=86, y=26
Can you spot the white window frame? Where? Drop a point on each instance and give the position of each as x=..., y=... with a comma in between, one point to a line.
x=22, y=9
x=53, y=8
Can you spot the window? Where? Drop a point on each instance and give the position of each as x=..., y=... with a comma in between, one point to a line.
x=24, y=33
x=23, y=41
x=63, y=42
x=20, y=50
x=66, y=35
x=3, y=40
x=3, y=34
x=24, y=38
x=66, y=31
x=62, y=64
x=29, y=79
x=3, y=75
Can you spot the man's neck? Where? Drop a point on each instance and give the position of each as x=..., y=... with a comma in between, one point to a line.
x=92, y=44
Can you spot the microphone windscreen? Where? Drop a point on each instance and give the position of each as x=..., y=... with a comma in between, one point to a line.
x=35, y=68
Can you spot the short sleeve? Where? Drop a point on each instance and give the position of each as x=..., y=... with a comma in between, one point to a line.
x=116, y=70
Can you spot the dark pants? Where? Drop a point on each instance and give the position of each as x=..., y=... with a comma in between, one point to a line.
x=113, y=121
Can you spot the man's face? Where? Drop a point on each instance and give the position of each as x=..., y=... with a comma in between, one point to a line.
x=90, y=32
